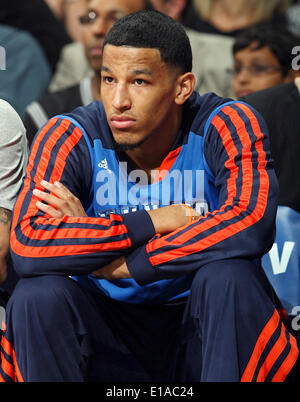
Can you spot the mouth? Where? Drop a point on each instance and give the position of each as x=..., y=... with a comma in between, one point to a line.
x=96, y=51
x=241, y=94
x=122, y=122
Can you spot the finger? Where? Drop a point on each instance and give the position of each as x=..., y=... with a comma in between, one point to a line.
x=49, y=210
x=61, y=198
x=57, y=188
x=49, y=198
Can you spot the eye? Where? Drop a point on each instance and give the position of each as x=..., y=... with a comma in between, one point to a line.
x=108, y=79
x=139, y=81
x=237, y=69
x=258, y=69
x=88, y=18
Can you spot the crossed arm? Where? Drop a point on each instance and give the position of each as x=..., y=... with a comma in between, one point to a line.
x=61, y=202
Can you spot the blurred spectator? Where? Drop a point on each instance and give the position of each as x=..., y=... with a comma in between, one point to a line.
x=229, y=17
x=68, y=11
x=280, y=107
x=96, y=21
x=26, y=74
x=36, y=17
x=293, y=15
x=263, y=58
x=73, y=65
x=212, y=56
x=182, y=11
x=212, y=59
x=13, y=160
x=173, y=8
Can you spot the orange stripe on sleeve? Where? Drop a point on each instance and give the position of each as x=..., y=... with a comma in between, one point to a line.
x=71, y=233
x=39, y=176
x=58, y=251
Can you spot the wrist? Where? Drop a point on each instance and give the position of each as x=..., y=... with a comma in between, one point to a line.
x=170, y=218
x=190, y=213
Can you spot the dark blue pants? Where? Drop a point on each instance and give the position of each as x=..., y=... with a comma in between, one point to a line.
x=227, y=330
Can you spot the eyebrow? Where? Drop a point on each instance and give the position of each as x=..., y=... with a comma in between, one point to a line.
x=145, y=71
x=103, y=68
x=111, y=12
x=136, y=72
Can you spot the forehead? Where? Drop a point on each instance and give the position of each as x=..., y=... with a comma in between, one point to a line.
x=127, y=6
x=132, y=58
x=251, y=53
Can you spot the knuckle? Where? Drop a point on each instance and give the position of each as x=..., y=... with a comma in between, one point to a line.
x=65, y=204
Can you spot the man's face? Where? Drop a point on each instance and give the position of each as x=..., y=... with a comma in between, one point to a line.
x=138, y=92
x=255, y=70
x=98, y=19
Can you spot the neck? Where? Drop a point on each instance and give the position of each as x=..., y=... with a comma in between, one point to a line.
x=152, y=152
x=228, y=15
x=96, y=84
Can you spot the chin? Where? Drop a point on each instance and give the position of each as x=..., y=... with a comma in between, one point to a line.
x=125, y=146
x=121, y=145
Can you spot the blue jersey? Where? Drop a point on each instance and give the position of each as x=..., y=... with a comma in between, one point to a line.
x=219, y=164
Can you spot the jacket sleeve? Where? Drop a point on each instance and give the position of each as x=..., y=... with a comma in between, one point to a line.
x=41, y=244
x=237, y=151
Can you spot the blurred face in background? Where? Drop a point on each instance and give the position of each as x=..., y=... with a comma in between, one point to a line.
x=99, y=17
x=255, y=70
x=68, y=12
x=173, y=8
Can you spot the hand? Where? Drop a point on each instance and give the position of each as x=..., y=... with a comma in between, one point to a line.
x=64, y=202
x=297, y=83
x=117, y=269
x=167, y=219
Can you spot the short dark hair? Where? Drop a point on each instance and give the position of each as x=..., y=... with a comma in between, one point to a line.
x=276, y=37
x=155, y=30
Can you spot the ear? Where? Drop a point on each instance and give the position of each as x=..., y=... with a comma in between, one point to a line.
x=184, y=87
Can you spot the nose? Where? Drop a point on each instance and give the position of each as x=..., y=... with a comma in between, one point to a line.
x=244, y=75
x=121, y=99
x=100, y=26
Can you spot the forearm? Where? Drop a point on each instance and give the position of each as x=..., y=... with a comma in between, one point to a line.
x=74, y=245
